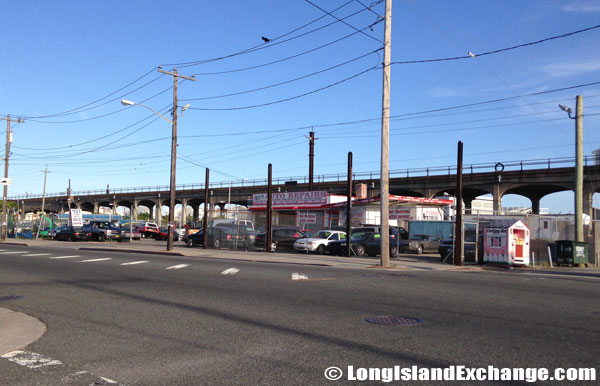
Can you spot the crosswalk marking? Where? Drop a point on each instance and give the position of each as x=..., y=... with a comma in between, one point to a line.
x=65, y=257
x=37, y=254
x=136, y=262
x=92, y=260
x=179, y=266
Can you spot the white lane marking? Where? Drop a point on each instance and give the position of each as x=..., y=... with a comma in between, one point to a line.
x=11, y=252
x=65, y=257
x=178, y=266
x=37, y=254
x=92, y=260
x=108, y=380
x=136, y=262
x=30, y=359
x=559, y=275
x=299, y=276
x=230, y=271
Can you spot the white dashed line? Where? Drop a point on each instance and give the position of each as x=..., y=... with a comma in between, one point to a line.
x=12, y=252
x=136, y=262
x=230, y=271
x=37, y=254
x=178, y=266
x=92, y=260
x=108, y=380
x=65, y=257
x=299, y=276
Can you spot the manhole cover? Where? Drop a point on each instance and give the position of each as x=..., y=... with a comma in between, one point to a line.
x=10, y=297
x=394, y=320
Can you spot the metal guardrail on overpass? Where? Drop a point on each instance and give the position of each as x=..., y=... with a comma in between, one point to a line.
x=532, y=164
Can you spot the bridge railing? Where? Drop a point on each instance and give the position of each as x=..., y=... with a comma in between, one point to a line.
x=532, y=164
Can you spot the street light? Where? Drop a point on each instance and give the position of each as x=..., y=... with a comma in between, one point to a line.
x=172, y=187
x=578, y=164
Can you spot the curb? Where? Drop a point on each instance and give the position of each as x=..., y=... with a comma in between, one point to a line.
x=18, y=244
x=132, y=251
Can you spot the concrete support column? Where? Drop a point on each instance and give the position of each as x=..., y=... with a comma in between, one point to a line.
x=196, y=212
x=183, y=211
x=135, y=210
x=114, y=209
x=96, y=207
x=497, y=194
x=535, y=205
x=158, y=213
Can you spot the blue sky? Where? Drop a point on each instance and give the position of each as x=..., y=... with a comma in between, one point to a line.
x=67, y=64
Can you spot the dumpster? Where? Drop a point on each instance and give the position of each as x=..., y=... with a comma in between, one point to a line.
x=571, y=252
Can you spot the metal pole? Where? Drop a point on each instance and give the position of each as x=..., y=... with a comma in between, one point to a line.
x=385, y=137
x=311, y=159
x=459, y=217
x=269, y=208
x=349, y=207
x=229, y=197
x=579, y=170
x=5, y=187
x=205, y=226
x=37, y=235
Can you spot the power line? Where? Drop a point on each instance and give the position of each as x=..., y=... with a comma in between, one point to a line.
x=349, y=25
x=286, y=99
x=284, y=82
x=270, y=44
x=74, y=111
x=498, y=50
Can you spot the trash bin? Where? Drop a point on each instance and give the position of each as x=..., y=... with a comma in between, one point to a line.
x=571, y=252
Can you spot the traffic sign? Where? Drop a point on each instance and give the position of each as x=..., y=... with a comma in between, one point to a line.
x=5, y=181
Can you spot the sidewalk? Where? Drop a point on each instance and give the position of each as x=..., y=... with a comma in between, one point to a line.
x=408, y=261
x=18, y=330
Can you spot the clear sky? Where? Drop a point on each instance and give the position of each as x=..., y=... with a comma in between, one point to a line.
x=67, y=64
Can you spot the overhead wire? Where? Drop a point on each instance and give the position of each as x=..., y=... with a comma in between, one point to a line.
x=284, y=82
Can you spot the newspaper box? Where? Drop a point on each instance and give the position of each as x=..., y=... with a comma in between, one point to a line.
x=506, y=242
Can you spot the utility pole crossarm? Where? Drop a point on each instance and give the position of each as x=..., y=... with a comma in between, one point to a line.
x=177, y=75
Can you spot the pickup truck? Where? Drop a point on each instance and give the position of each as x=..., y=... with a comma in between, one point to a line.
x=102, y=230
x=148, y=229
x=420, y=243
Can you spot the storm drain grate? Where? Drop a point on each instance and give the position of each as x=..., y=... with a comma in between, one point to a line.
x=394, y=320
x=10, y=297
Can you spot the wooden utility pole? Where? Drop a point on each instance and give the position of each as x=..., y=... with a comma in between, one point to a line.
x=385, y=138
x=269, y=209
x=579, y=169
x=6, y=157
x=205, y=223
x=311, y=159
x=458, y=237
x=172, y=189
x=37, y=235
x=349, y=207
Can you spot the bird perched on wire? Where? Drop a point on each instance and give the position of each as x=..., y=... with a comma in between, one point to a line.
x=266, y=40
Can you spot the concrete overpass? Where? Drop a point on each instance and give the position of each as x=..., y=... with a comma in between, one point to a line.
x=533, y=179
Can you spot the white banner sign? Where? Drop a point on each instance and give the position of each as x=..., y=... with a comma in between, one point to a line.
x=306, y=218
x=76, y=217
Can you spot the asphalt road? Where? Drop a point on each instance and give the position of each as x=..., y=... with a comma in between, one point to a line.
x=144, y=324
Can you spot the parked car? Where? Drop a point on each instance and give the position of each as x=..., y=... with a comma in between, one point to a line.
x=281, y=238
x=318, y=243
x=69, y=233
x=163, y=234
x=420, y=244
x=103, y=230
x=130, y=231
x=148, y=229
x=217, y=237
x=394, y=231
x=446, y=249
x=52, y=232
x=363, y=243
